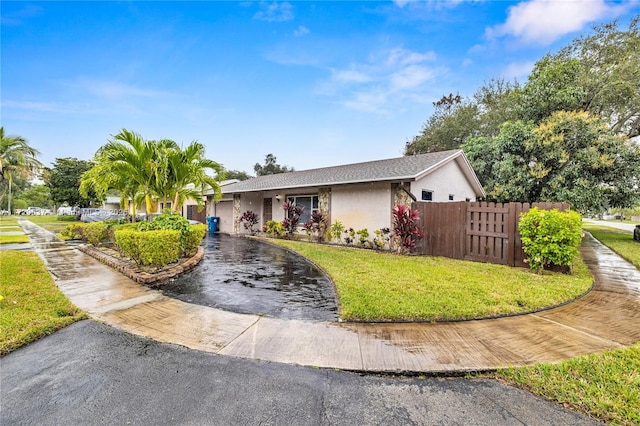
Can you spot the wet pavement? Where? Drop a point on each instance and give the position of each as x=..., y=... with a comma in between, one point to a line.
x=606, y=318
x=93, y=374
x=252, y=277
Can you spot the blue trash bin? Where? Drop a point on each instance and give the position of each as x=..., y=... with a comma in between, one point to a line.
x=213, y=222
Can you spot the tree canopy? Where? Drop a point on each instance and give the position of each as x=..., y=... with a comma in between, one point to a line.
x=271, y=167
x=63, y=181
x=565, y=135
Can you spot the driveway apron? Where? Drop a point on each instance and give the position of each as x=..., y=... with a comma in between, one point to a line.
x=608, y=317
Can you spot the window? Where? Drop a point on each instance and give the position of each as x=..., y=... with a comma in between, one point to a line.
x=427, y=195
x=450, y=197
x=310, y=204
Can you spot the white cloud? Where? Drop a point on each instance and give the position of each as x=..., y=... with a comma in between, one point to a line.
x=410, y=77
x=400, y=56
x=301, y=31
x=275, y=12
x=518, y=70
x=544, y=21
x=384, y=82
x=351, y=76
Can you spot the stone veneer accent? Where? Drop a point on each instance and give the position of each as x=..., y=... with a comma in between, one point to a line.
x=137, y=274
x=400, y=196
x=236, y=212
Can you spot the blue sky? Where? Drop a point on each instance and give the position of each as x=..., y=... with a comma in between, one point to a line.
x=315, y=83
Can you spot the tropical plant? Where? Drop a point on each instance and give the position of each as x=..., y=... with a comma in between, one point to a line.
x=292, y=217
x=249, y=219
x=17, y=158
x=381, y=239
x=149, y=171
x=363, y=236
x=187, y=175
x=406, y=232
x=335, y=231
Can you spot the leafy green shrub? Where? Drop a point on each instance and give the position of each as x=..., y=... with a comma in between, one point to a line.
x=550, y=237
x=65, y=218
x=95, y=233
x=192, y=239
x=175, y=222
x=156, y=248
x=73, y=231
x=128, y=242
x=274, y=229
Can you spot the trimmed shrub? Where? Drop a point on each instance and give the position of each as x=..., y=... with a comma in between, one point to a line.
x=65, y=218
x=95, y=233
x=155, y=248
x=550, y=237
x=127, y=241
x=73, y=231
x=192, y=239
x=175, y=222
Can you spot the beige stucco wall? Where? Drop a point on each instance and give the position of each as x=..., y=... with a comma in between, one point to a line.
x=362, y=205
x=448, y=179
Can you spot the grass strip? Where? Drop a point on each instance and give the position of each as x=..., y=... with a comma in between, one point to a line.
x=381, y=286
x=11, y=239
x=31, y=305
x=604, y=385
x=618, y=240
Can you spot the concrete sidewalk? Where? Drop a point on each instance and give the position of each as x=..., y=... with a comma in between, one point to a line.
x=606, y=318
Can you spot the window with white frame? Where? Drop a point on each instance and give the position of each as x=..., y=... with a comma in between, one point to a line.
x=309, y=202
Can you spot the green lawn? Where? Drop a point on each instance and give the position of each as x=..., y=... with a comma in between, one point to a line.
x=620, y=241
x=380, y=286
x=31, y=305
x=604, y=385
x=10, y=224
x=49, y=222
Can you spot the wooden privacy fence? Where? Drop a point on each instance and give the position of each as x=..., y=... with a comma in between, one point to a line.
x=479, y=231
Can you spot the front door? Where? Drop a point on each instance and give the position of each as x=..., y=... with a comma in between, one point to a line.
x=267, y=210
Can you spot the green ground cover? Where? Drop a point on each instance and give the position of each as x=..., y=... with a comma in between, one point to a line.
x=618, y=240
x=10, y=239
x=381, y=286
x=604, y=385
x=50, y=222
x=31, y=305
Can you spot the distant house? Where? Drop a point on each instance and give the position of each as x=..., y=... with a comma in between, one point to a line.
x=358, y=195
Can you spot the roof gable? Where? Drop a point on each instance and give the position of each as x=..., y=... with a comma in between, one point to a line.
x=394, y=169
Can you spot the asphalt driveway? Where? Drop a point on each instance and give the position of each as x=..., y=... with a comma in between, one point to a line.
x=93, y=374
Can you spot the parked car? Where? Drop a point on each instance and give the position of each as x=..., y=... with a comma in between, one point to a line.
x=5, y=213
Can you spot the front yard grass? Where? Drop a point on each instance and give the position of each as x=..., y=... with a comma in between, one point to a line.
x=31, y=305
x=379, y=286
x=618, y=240
x=604, y=385
x=49, y=222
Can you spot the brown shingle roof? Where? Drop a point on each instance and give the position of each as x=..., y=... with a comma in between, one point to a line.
x=402, y=168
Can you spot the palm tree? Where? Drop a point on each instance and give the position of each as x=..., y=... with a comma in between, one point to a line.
x=152, y=170
x=188, y=175
x=16, y=158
